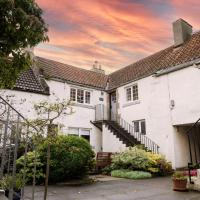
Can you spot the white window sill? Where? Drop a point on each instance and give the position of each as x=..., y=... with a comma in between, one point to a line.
x=131, y=103
x=83, y=105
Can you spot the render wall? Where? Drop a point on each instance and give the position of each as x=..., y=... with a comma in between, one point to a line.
x=110, y=142
x=83, y=114
x=154, y=105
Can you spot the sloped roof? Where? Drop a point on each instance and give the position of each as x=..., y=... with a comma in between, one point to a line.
x=166, y=58
x=53, y=69
x=29, y=82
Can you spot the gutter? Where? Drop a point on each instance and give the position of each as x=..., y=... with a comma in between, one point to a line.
x=195, y=62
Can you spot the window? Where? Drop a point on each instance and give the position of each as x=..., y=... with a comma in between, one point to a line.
x=85, y=133
x=74, y=131
x=87, y=97
x=135, y=92
x=113, y=97
x=81, y=132
x=140, y=126
x=73, y=94
x=80, y=96
x=136, y=126
x=132, y=93
x=128, y=94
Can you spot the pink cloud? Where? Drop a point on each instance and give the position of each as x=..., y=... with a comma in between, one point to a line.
x=114, y=32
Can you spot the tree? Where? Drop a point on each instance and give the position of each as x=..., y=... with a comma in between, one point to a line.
x=21, y=27
x=47, y=114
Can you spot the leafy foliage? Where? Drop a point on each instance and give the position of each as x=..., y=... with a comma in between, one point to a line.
x=48, y=112
x=130, y=174
x=31, y=159
x=107, y=170
x=7, y=182
x=138, y=159
x=134, y=159
x=71, y=157
x=178, y=175
x=21, y=26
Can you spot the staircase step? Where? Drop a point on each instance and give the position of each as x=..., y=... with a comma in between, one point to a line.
x=127, y=138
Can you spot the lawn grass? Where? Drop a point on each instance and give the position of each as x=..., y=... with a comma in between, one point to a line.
x=130, y=174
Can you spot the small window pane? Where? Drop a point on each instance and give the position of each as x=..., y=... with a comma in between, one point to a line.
x=84, y=132
x=128, y=94
x=143, y=127
x=73, y=131
x=137, y=126
x=135, y=92
x=113, y=97
x=73, y=94
x=80, y=96
x=87, y=97
x=87, y=137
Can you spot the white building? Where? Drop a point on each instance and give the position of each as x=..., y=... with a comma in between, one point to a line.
x=155, y=99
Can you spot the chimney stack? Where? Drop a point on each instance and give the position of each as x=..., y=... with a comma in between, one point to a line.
x=182, y=32
x=97, y=68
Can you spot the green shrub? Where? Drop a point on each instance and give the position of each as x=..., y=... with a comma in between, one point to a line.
x=159, y=165
x=130, y=174
x=139, y=159
x=107, y=170
x=134, y=159
x=7, y=182
x=71, y=157
x=29, y=169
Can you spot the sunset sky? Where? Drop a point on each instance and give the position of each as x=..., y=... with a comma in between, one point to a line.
x=114, y=32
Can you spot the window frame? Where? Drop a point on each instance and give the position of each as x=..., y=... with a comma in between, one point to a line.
x=85, y=97
x=79, y=132
x=140, y=126
x=131, y=93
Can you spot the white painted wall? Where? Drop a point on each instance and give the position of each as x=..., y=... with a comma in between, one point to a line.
x=110, y=142
x=154, y=105
x=83, y=114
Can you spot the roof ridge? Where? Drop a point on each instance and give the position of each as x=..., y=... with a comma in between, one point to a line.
x=79, y=68
x=147, y=57
x=142, y=59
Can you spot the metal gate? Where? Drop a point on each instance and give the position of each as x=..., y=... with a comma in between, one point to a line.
x=15, y=133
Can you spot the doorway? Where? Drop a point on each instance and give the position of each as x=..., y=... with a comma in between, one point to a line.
x=113, y=106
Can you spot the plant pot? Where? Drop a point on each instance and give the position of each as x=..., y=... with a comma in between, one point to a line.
x=179, y=185
x=16, y=194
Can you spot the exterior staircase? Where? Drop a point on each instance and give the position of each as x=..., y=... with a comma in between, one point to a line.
x=125, y=133
x=122, y=129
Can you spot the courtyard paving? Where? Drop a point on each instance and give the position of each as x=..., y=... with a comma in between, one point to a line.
x=118, y=189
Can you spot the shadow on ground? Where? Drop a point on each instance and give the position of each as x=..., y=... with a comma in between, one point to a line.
x=117, y=189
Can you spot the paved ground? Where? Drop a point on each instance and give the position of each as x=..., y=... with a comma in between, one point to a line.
x=119, y=189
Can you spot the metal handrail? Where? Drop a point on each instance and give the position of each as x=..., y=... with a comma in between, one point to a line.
x=147, y=142
x=102, y=113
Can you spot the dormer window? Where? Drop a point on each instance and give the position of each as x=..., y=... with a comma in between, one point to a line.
x=80, y=96
x=132, y=93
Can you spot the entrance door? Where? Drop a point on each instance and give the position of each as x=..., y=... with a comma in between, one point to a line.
x=113, y=108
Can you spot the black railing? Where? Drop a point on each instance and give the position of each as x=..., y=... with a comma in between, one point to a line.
x=143, y=139
x=193, y=135
x=103, y=113
x=14, y=131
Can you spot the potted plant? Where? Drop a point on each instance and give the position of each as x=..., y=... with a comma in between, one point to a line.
x=6, y=184
x=179, y=181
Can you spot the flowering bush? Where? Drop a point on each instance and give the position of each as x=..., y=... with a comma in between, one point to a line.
x=139, y=159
